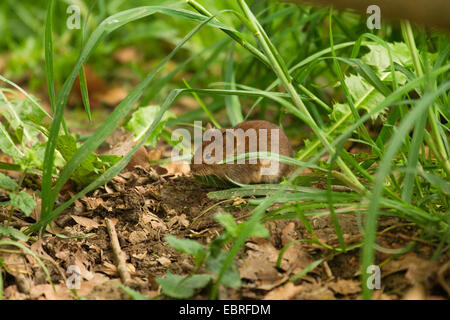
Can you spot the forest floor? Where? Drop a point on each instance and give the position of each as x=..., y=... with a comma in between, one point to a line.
x=146, y=204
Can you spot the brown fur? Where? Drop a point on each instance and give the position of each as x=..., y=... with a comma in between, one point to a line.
x=247, y=173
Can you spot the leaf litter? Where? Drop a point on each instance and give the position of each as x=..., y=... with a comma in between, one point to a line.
x=146, y=203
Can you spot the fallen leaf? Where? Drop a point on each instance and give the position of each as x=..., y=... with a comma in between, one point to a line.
x=88, y=223
x=259, y=266
x=164, y=261
x=345, y=286
x=92, y=203
x=284, y=292
x=137, y=237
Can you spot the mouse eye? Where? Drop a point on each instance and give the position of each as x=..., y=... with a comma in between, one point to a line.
x=208, y=156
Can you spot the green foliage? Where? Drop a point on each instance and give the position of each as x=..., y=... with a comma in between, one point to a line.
x=7, y=183
x=211, y=258
x=270, y=60
x=191, y=247
x=92, y=167
x=180, y=287
x=141, y=120
x=23, y=201
x=13, y=232
x=133, y=294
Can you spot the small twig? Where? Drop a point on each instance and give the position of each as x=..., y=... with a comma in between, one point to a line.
x=119, y=255
x=328, y=270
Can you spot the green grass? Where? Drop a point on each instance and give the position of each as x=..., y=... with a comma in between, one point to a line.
x=274, y=61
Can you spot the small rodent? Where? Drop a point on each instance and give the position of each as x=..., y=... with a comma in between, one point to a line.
x=257, y=138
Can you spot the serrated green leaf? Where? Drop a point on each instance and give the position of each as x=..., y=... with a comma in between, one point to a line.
x=180, y=287
x=7, y=183
x=23, y=201
x=379, y=57
x=339, y=110
x=360, y=89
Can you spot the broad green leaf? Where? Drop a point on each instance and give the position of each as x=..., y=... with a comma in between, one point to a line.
x=91, y=167
x=227, y=221
x=7, y=145
x=7, y=183
x=259, y=231
x=379, y=57
x=188, y=246
x=231, y=278
x=23, y=201
x=360, y=90
x=142, y=119
x=14, y=233
x=339, y=111
x=180, y=287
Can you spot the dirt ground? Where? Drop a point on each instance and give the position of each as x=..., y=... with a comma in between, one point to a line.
x=145, y=206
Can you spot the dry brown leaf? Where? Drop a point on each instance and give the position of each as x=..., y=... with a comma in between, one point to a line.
x=92, y=203
x=164, y=261
x=418, y=270
x=296, y=258
x=314, y=291
x=288, y=233
x=88, y=223
x=137, y=236
x=12, y=293
x=139, y=256
x=15, y=264
x=154, y=221
x=259, y=266
x=108, y=268
x=345, y=286
x=417, y=292
x=181, y=220
x=140, y=158
x=46, y=292
x=131, y=268
x=285, y=292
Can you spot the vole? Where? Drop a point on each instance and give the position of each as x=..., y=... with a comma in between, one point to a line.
x=248, y=136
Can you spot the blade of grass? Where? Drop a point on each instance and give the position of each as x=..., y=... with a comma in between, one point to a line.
x=105, y=129
x=280, y=70
x=83, y=82
x=383, y=170
x=232, y=103
x=31, y=253
x=107, y=26
x=204, y=107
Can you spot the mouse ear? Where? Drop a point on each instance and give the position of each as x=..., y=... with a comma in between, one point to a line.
x=208, y=126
